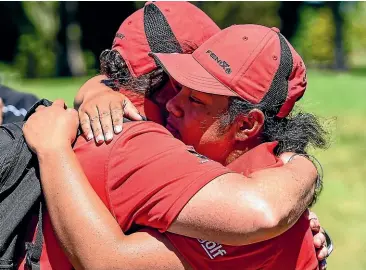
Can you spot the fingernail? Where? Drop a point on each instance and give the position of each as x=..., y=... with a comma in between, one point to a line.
x=108, y=136
x=118, y=129
x=100, y=138
x=90, y=136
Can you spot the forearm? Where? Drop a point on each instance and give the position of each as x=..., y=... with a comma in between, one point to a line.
x=77, y=214
x=248, y=210
x=288, y=190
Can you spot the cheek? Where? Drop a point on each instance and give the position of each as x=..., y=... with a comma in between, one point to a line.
x=214, y=145
x=193, y=131
x=199, y=128
x=210, y=133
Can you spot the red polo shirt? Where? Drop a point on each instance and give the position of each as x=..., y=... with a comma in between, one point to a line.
x=144, y=176
x=293, y=249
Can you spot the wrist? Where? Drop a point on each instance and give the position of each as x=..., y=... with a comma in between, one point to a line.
x=47, y=152
x=310, y=162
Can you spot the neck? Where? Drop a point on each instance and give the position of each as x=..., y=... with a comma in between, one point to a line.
x=241, y=148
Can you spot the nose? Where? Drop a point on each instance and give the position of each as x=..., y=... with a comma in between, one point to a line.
x=174, y=106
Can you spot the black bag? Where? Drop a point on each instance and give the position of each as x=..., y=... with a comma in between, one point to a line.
x=20, y=197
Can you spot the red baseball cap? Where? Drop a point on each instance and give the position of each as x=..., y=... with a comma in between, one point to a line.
x=161, y=27
x=253, y=62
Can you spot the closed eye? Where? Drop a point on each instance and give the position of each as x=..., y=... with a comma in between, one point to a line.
x=194, y=100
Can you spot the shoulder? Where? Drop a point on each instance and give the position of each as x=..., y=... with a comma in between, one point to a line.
x=141, y=140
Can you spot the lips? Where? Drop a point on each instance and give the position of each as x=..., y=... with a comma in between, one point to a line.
x=172, y=129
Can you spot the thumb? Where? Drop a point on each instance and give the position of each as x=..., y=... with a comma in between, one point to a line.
x=74, y=115
x=130, y=112
x=59, y=103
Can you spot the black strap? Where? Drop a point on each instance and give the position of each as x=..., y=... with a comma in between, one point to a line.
x=34, y=250
x=32, y=110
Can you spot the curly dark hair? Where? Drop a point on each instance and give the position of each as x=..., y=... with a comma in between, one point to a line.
x=296, y=133
x=115, y=68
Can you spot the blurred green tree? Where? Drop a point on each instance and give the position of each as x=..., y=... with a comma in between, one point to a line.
x=46, y=39
x=329, y=31
x=228, y=13
x=37, y=45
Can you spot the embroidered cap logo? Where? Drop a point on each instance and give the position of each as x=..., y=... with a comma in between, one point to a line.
x=221, y=63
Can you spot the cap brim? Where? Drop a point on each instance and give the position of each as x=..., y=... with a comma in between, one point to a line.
x=188, y=72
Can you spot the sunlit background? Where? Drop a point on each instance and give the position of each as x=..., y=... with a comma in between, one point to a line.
x=50, y=49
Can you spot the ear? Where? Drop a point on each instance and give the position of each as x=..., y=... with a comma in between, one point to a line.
x=249, y=125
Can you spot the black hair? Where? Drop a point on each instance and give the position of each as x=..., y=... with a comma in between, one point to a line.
x=115, y=68
x=295, y=133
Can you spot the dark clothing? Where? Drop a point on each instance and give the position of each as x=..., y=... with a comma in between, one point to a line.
x=20, y=197
x=16, y=104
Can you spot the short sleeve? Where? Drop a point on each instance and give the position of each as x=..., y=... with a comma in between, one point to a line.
x=152, y=175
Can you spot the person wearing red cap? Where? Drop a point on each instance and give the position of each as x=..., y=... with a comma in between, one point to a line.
x=241, y=85
x=252, y=67
x=158, y=27
x=134, y=135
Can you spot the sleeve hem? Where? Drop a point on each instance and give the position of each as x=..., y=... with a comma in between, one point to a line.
x=188, y=194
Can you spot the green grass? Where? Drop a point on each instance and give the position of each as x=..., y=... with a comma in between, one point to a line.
x=341, y=206
x=64, y=88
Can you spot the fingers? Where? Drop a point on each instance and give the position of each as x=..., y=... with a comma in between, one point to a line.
x=96, y=121
x=314, y=223
x=130, y=111
x=95, y=125
x=102, y=116
x=124, y=109
x=322, y=253
x=75, y=117
x=85, y=125
x=59, y=103
x=74, y=114
x=90, y=123
x=117, y=116
x=312, y=215
x=319, y=240
x=106, y=122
